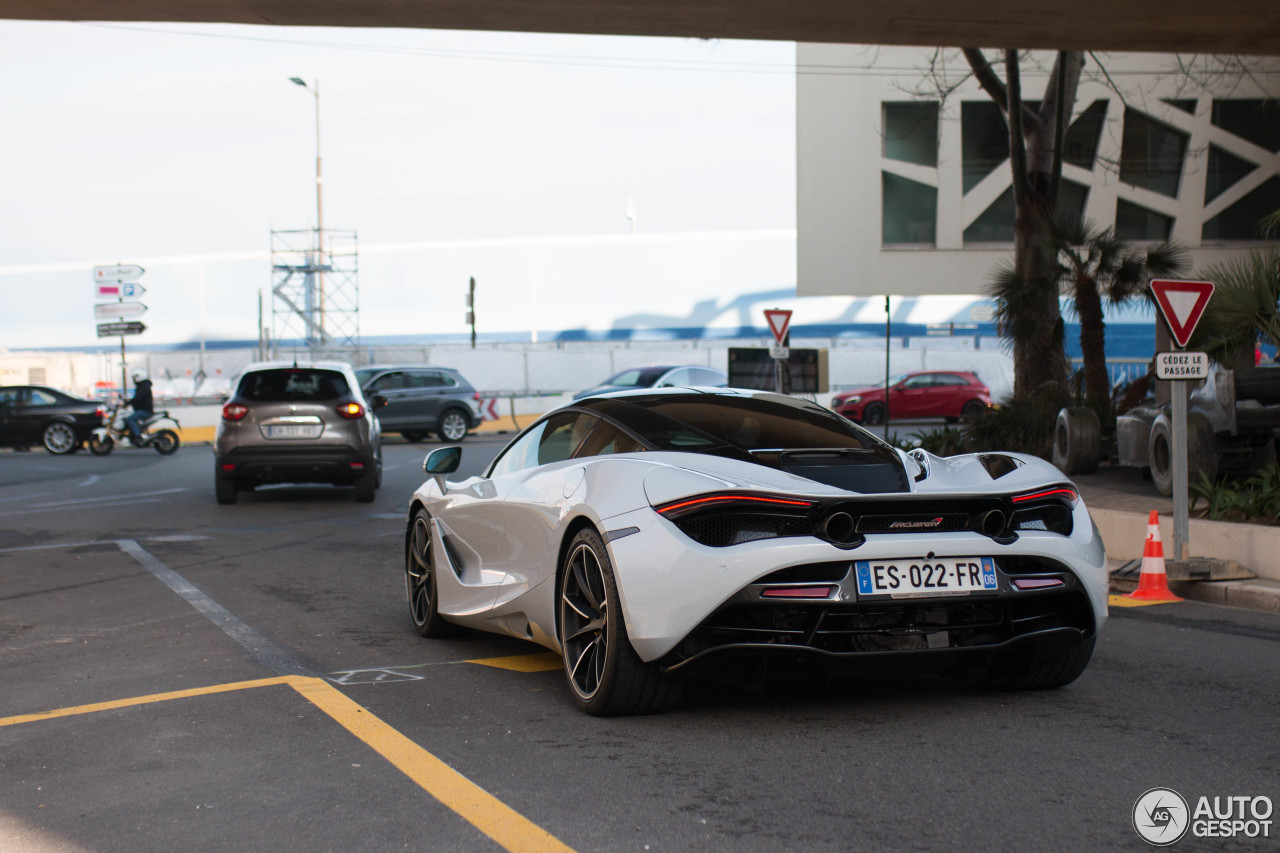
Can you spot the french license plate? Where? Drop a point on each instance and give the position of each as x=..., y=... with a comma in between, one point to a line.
x=294, y=431
x=921, y=578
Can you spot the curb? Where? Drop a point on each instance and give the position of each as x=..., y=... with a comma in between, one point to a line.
x=1255, y=594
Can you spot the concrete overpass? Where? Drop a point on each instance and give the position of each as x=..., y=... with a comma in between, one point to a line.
x=1175, y=26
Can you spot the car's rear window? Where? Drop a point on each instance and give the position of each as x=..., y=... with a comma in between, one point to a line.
x=294, y=383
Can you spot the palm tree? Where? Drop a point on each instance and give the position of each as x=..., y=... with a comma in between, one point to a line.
x=1096, y=264
x=1244, y=306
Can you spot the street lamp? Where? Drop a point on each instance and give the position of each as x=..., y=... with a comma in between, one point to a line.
x=314, y=89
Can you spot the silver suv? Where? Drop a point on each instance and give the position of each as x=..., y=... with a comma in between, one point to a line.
x=297, y=423
x=422, y=400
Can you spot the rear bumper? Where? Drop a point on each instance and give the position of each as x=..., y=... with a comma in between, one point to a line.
x=341, y=465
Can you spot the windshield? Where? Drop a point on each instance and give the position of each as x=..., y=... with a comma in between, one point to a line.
x=637, y=377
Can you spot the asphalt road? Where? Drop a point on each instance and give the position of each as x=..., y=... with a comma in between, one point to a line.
x=309, y=716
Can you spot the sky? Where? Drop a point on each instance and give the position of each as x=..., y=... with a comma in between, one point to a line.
x=513, y=158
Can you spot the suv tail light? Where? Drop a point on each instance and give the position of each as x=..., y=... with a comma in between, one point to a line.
x=100, y=413
x=234, y=412
x=351, y=411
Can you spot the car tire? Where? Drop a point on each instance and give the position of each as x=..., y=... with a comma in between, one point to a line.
x=166, y=442
x=420, y=581
x=59, y=438
x=606, y=677
x=101, y=446
x=225, y=490
x=413, y=437
x=367, y=485
x=873, y=414
x=1026, y=673
x=1202, y=454
x=973, y=409
x=454, y=424
x=1077, y=440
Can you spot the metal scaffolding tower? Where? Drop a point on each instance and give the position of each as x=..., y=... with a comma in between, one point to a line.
x=315, y=292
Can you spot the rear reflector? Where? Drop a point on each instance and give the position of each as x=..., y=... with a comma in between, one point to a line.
x=228, y=466
x=798, y=592
x=1037, y=583
x=357, y=466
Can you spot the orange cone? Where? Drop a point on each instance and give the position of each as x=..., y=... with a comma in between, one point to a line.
x=1153, y=583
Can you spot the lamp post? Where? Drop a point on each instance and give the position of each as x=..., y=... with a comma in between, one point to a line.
x=314, y=89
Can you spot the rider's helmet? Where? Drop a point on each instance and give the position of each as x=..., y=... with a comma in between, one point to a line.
x=138, y=376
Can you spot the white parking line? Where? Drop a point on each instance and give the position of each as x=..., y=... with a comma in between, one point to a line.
x=113, y=500
x=88, y=481
x=24, y=497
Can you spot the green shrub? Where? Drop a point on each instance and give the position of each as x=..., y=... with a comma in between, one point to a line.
x=1255, y=500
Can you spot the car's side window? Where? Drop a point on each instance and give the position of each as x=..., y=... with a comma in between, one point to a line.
x=702, y=376
x=435, y=379
x=553, y=440
x=949, y=380
x=606, y=439
x=919, y=381
x=388, y=382
x=42, y=398
x=676, y=379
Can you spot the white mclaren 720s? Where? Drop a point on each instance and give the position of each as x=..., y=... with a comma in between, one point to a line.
x=646, y=536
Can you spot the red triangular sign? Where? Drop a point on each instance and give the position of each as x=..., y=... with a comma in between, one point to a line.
x=1182, y=304
x=779, y=321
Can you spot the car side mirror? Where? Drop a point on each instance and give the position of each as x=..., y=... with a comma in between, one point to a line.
x=378, y=401
x=444, y=460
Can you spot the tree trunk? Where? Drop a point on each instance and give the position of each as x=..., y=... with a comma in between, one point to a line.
x=1097, y=385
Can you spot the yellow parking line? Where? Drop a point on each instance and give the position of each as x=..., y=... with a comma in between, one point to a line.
x=485, y=812
x=477, y=806
x=1121, y=601
x=538, y=662
x=140, y=700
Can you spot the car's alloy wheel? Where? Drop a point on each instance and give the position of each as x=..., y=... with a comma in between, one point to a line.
x=59, y=438
x=420, y=580
x=605, y=675
x=873, y=413
x=453, y=426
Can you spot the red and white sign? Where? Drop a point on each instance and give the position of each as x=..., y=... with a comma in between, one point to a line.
x=1182, y=304
x=117, y=272
x=779, y=322
x=488, y=409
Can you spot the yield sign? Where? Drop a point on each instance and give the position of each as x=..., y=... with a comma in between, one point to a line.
x=779, y=321
x=1182, y=304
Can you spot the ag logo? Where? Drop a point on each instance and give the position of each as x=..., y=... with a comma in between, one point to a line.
x=1161, y=816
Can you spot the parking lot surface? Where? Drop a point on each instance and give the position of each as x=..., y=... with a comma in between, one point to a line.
x=183, y=675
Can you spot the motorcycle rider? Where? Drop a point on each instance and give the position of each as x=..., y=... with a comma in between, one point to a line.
x=142, y=404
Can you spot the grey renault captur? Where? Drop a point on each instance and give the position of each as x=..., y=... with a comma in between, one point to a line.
x=298, y=423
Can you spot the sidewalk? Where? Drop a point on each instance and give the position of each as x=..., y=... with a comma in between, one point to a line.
x=1120, y=502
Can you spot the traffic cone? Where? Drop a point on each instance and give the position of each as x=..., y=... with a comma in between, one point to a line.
x=1153, y=583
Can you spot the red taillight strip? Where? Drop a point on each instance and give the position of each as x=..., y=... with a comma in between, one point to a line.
x=1071, y=495
x=668, y=508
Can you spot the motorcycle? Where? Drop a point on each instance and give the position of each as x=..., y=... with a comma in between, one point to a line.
x=113, y=429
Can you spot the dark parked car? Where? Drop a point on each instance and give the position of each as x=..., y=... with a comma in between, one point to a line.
x=949, y=394
x=34, y=414
x=297, y=423
x=422, y=400
x=659, y=376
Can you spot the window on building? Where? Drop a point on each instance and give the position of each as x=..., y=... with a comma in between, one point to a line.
x=909, y=210
x=1080, y=145
x=995, y=225
x=1137, y=223
x=1240, y=220
x=911, y=132
x=1255, y=120
x=1224, y=170
x=1187, y=105
x=1151, y=154
x=984, y=140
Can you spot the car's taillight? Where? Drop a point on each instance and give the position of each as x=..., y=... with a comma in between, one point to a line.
x=676, y=509
x=234, y=412
x=1063, y=493
x=99, y=413
x=351, y=411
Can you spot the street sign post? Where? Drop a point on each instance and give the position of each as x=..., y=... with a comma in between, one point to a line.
x=1181, y=304
x=117, y=272
x=109, y=330
x=779, y=321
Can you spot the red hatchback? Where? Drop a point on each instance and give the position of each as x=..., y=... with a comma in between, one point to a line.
x=948, y=394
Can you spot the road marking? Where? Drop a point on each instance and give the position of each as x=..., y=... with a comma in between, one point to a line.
x=485, y=812
x=24, y=497
x=88, y=481
x=538, y=662
x=1121, y=601
x=507, y=827
x=114, y=500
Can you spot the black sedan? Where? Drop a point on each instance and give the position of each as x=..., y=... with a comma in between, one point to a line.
x=34, y=414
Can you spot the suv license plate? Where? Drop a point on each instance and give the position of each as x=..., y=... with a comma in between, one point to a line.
x=294, y=431
x=926, y=578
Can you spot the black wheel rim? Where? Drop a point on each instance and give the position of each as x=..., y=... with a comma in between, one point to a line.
x=455, y=426
x=418, y=571
x=584, y=619
x=874, y=413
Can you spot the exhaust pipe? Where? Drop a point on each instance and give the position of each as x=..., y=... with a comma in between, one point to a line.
x=840, y=529
x=992, y=523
